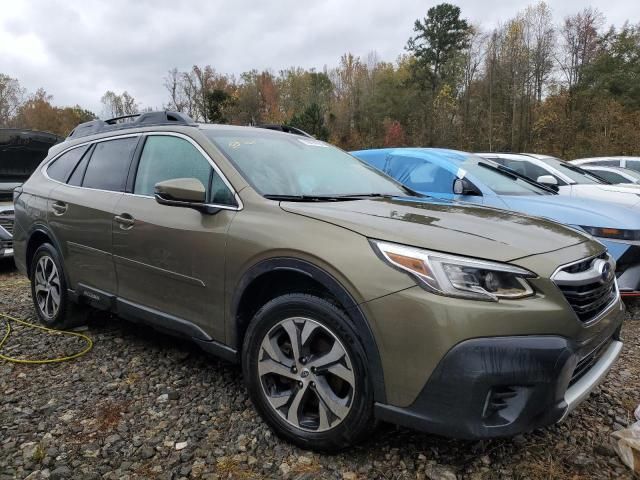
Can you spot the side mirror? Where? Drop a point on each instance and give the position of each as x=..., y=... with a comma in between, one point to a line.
x=462, y=186
x=183, y=192
x=549, y=180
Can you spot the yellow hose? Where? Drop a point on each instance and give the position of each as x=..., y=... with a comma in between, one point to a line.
x=39, y=327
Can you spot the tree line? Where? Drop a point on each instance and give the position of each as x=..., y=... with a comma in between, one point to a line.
x=568, y=88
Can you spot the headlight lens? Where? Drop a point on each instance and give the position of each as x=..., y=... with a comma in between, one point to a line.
x=455, y=276
x=614, y=233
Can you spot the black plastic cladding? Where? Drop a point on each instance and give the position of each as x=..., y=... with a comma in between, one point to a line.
x=141, y=120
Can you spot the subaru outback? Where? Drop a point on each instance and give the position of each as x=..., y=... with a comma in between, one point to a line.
x=344, y=299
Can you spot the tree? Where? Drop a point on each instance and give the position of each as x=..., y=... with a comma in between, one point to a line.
x=115, y=105
x=38, y=113
x=394, y=135
x=217, y=101
x=615, y=70
x=440, y=36
x=311, y=120
x=11, y=96
x=580, y=43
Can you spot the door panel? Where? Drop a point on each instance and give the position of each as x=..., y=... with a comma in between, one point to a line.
x=81, y=220
x=171, y=259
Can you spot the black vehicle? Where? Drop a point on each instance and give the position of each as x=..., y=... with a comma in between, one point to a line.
x=21, y=151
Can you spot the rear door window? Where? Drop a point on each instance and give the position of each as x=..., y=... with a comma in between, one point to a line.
x=109, y=164
x=605, y=163
x=633, y=165
x=611, y=177
x=60, y=169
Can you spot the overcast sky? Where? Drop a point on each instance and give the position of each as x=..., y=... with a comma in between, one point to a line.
x=76, y=50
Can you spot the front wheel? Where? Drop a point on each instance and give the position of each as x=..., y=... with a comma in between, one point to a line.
x=306, y=373
x=49, y=290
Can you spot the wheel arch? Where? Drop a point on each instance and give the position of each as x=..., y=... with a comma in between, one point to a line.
x=38, y=235
x=265, y=280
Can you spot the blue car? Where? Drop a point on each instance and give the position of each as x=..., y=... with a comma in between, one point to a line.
x=454, y=175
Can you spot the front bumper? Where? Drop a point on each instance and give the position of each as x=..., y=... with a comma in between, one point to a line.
x=6, y=238
x=628, y=266
x=502, y=386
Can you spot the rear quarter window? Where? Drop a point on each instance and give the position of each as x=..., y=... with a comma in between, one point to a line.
x=61, y=167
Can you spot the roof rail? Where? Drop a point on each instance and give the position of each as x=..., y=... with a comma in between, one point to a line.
x=131, y=121
x=284, y=128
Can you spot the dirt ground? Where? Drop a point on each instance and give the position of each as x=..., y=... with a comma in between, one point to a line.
x=145, y=405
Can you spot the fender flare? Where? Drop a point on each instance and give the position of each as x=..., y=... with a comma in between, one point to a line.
x=41, y=228
x=352, y=308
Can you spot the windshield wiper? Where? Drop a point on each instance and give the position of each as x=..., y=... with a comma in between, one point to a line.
x=512, y=174
x=307, y=198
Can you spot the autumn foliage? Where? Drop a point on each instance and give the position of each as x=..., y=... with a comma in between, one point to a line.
x=566, y=87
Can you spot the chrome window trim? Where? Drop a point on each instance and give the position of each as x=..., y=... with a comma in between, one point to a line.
x=238, y=207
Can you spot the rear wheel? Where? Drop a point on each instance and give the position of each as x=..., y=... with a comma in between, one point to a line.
x=49, y=290
x=306, y=373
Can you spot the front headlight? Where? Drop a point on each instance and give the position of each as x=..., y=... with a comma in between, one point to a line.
x=614, y=233
x=455, y=276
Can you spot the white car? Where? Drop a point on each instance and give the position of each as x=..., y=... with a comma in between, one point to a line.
x=615, y=175
x=567, y=177
x=630, y=163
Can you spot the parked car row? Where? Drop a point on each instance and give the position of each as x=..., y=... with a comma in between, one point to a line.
x=345, y=294
x=511, y=182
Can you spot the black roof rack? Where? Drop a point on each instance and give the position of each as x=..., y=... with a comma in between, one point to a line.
x=131, y=121
x=284, y=128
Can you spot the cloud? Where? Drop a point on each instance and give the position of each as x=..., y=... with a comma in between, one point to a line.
x=76, y=50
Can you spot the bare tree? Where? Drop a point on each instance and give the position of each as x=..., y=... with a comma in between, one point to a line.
x=580, y=43
x=540, y=34
x=11, y=97
x=174, y=84
x=115, y=105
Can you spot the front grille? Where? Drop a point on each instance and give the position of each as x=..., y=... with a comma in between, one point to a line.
x=589, y=361
x=583, y=265
x=7, y=224
x=4, y=244
x=589, y=285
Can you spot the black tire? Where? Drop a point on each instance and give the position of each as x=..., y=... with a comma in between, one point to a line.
x=355, y=424
x=68, y=313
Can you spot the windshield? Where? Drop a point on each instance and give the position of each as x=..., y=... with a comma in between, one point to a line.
x=278, y=164
x=499, y=181
x=575, y=173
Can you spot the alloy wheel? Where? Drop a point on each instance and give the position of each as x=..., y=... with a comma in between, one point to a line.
x=306, y=374
x=47, y=286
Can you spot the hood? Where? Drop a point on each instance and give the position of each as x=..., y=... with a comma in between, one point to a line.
x=457, y=228
x=628, y=195
x=576, y=211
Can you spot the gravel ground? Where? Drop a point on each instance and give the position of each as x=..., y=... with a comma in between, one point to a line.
x=145, y=405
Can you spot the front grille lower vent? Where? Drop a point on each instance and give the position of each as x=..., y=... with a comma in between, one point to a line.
x=7, y=224
x=589, y=285
x=589, y=361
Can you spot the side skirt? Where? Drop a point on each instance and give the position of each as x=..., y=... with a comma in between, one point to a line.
x=156, y=319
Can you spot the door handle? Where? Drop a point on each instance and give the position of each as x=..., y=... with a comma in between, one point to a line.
x=125, y=220
x=59, y=208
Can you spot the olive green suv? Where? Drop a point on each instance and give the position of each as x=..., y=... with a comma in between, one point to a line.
x=345, y=298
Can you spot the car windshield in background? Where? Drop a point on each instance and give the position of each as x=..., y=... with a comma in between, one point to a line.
x=577, y=174
x=501, y=182
x=286, y=165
